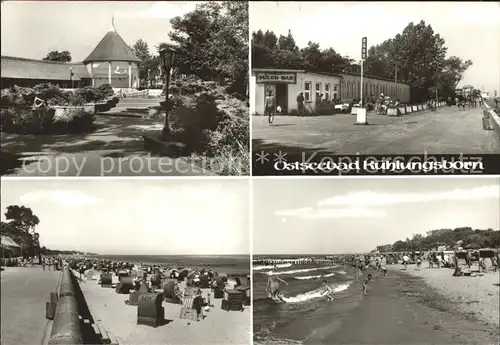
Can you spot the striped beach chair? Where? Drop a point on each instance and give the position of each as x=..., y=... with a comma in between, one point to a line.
x=188, y=302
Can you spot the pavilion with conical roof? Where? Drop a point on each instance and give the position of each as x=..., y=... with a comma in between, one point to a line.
x=113, y=62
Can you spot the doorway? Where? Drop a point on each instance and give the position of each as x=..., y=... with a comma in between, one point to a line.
x=282, y=97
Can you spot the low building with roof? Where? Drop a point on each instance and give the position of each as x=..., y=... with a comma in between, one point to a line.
x=286, y=84
x=30, y=72
x=111, y=62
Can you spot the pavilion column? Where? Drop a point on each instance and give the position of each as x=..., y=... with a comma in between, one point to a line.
x=92, y=73
x=109, y=72
x=137, y=75
x=130, y=75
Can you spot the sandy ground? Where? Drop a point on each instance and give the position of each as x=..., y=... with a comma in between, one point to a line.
x=25, y=291
x=403, y=309
x=477, y=296
x=219, y=326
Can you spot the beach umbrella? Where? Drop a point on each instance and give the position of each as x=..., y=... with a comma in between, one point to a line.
x=9, y=242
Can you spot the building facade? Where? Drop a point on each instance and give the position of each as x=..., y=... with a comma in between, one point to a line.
x=111, y=62
x=287, y=84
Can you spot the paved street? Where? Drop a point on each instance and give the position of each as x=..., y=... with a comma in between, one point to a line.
x=116, y=148
x=24, y=294
x=446, y=131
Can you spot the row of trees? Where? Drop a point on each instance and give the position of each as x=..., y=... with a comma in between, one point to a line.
x=465, y=237
x=417, y=55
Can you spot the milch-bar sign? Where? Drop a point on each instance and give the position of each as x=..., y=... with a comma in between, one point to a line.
x=276, y=77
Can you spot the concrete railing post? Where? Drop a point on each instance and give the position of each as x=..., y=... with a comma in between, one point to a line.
x=66, y=327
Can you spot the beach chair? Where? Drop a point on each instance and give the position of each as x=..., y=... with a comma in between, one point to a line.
x=169, y=292
x=191, y=307
x=233, y=300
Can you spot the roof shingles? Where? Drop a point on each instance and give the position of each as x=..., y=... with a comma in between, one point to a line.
x=21, y=68
x=112, y=48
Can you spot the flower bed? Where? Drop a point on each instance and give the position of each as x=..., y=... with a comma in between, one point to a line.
x=59, y=112
x=45, y=120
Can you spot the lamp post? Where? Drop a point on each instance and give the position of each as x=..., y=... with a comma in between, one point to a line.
x=167, y=59
x=71, y=76
x=396, y=80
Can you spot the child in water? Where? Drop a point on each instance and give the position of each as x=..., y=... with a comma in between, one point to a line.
x=328, y=290
x=365, y=282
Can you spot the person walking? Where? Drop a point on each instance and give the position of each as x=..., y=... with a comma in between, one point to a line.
x=270, y=102
x=300, y=103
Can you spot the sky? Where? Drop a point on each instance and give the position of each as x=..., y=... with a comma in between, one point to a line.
x=471, y=29
x=353, y=215
x=137, y=217
x=31, y=29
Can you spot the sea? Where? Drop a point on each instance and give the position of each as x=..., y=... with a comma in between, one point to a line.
x=230, y=264
x=307, y=313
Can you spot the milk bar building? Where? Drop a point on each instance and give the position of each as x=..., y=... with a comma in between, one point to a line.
x=111, y=62
x=287, y=84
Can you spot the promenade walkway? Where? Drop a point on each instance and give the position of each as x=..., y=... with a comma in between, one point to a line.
x=24, y=292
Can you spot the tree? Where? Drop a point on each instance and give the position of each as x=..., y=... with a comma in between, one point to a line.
x=23, y=219
x=418, y=54
x=212, y=43
x=148, y=67
x=141, y=49
x=64, y=56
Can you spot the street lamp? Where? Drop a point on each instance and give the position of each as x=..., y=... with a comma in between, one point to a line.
x=167, y=59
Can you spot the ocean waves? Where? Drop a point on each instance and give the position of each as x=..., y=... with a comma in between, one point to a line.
x=314, y=277
x=275, y=273
x=317, y=293
x=258, y=268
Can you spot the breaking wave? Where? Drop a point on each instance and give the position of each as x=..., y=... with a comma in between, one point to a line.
x=315, y=277
x=271, y=273
x=314, y=293
x=258, y=268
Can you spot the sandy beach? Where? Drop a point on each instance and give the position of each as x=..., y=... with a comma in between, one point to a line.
x=476, y=296
x=402, y=308
x=219, y=326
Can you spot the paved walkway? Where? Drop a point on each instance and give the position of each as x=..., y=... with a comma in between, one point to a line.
x=116, y=148
x=446, y=131
x=25, y=291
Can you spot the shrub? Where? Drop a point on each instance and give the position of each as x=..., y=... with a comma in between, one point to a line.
x=45, y=120
x=213, y=124
x=51, y=94
x=73, y=120
x=96, y=94
x=26, y=120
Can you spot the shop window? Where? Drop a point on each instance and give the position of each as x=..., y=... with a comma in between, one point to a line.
x=307, y=91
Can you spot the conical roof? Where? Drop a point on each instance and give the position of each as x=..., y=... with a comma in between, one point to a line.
x=112, y=48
